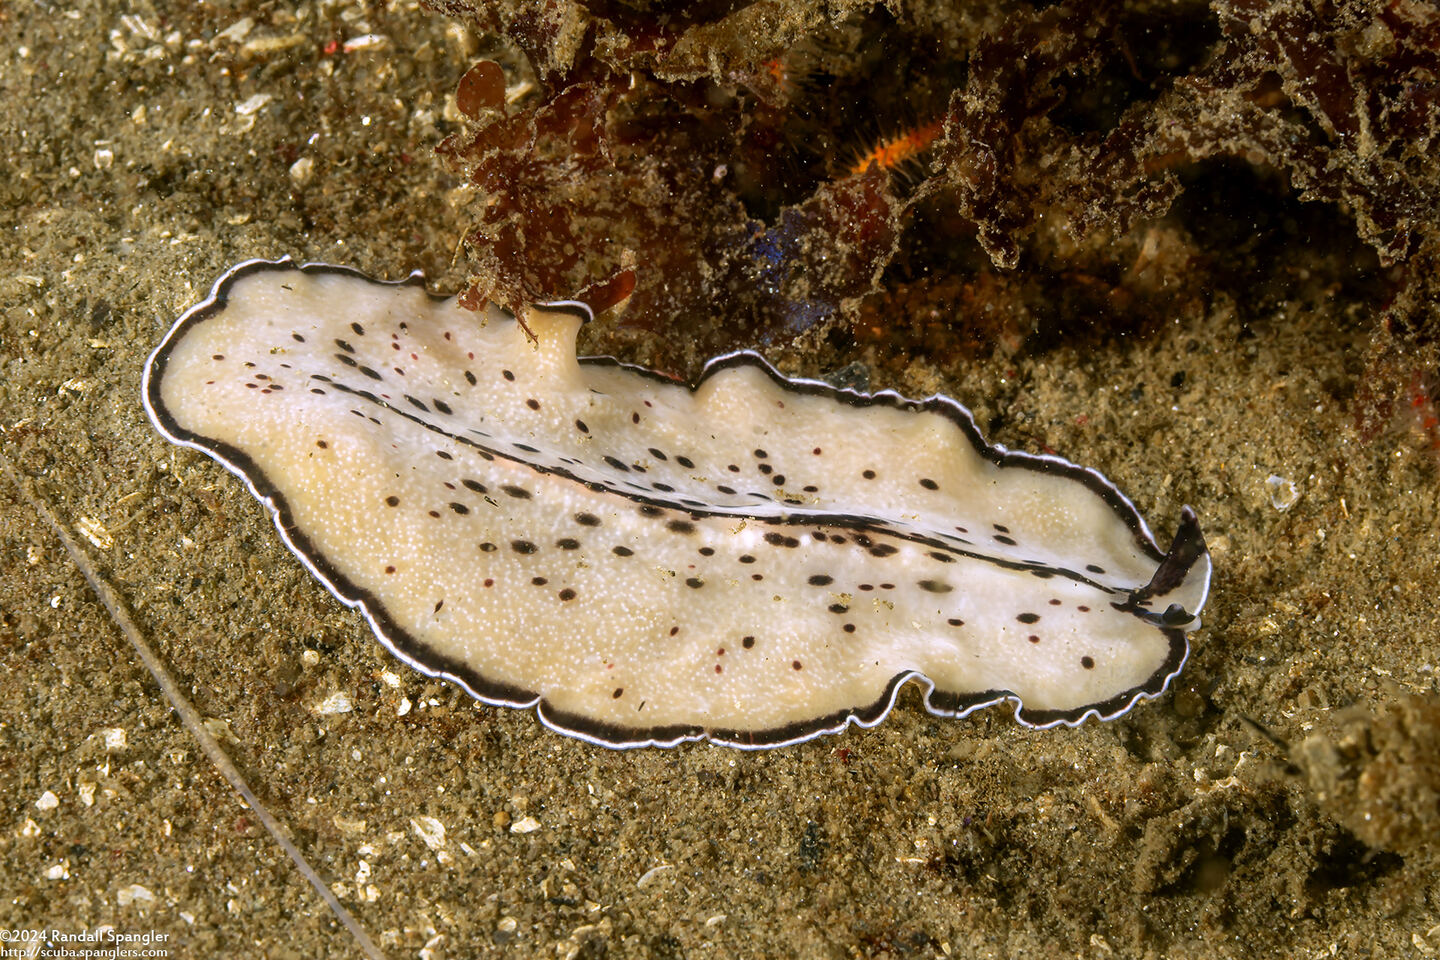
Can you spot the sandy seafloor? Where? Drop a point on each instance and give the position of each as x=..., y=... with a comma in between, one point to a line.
x=139, y=165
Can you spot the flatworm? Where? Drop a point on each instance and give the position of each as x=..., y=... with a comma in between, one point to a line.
x=752, y=559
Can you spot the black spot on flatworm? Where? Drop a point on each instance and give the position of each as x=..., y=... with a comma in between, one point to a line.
x=1001, y=538
x=1000, y=528
x=868, y=474
x=648, y=511
x=567, y=594
x=539, y=581
x=580, y=425
x=1087, y=663
x=929, y=484
x=522, y=546
x=359, y=330
x=685, y=462
x=519, y=493
x=935, y=586
x=488, y=547
x=761, y=454
x=567, y=543
x=587, y=519
x=680, y=526
x=942, y=557
x=747, y=642
x=344, y=346
x=619, y=692
x=1028, y=617
x=706, y=551
x=883, y=550
x=617, y=464
x=417, y=404
x=508, y=375
x=442, y=407
x=658, y=454
x=746, y=558
x=347, y=360
x=695, y=583
x=474, y=485
x=622, y=551
x=838, y=608
x=373, y=375
x=460, y=508
x=470, y=378
x=724, y=489
x=444, y=455
x=533, y=404
x=955, y=622
x=820, y=580
x=1094, y=568
x=392, y=501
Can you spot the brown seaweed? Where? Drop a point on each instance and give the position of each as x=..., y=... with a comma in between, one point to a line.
x=711, y=149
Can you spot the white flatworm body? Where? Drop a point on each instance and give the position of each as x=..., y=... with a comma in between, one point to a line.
x=753, y=559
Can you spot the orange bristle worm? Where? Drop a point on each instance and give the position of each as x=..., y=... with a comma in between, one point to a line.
x=893, y=152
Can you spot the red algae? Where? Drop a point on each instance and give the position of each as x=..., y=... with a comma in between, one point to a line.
x=706, y=148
